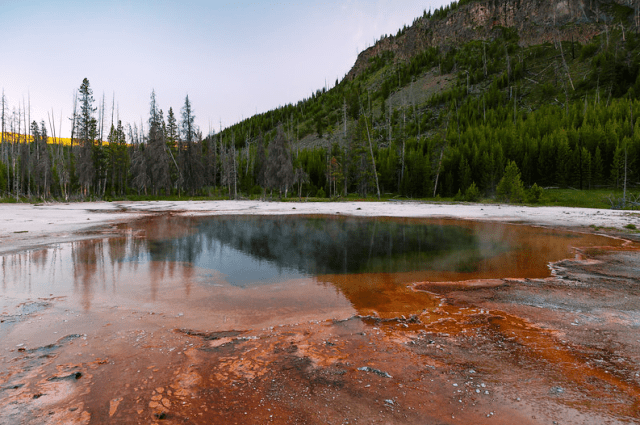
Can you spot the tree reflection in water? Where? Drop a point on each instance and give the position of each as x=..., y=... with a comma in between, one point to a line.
x=368, y=261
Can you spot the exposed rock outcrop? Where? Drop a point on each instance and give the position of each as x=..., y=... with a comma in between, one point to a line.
x=537, y=22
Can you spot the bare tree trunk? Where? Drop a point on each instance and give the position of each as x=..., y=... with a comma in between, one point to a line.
x=389, y=123
x=484, y=59
x=515, y=103
x=67, y=167
x=29, y=142
x=113, y=105
x=444, y=145
x=566, y=67
x=484, y=111
x=5, y=152
x=404, y=139
x=373, y=160
x=624, y=192
x=344, y=120
x=328, y=161
x=235, y=173
x=16, y=140
x=73, y=128
x=506, y=49
x=435, y=186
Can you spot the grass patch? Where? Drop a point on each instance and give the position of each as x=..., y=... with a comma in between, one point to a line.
x=596, y=198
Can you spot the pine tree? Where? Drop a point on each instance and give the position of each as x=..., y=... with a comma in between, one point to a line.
x=172, y=135
x=187, y=125
x=157, y=158
x=586, y=167
x=42, y=163
x=464, y=174
x=547, y=162
x=563, y=160
x=190, y=153
x=260, y=168
x=597, y=169
x=510, y=187
x=617, y=167
x=86, y=130
x=172, y=138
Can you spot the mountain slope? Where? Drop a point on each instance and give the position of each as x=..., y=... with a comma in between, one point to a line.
x=465, y=90
x=536, y=22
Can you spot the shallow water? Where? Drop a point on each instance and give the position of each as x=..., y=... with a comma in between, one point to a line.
x=239, y=320
x=254, y=271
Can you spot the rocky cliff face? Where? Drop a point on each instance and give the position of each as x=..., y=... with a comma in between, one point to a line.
x=537, y=22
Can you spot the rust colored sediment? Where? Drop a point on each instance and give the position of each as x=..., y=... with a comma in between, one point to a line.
x=396, y=348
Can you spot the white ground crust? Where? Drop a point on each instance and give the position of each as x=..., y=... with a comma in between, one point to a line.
x=26, y=225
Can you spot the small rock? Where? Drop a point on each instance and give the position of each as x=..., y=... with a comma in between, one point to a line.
x=376, y=371
x=556, y=390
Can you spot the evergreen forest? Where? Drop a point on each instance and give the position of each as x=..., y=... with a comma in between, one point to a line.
x=491, y=118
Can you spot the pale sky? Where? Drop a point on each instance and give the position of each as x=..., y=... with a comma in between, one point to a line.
x=233, y=59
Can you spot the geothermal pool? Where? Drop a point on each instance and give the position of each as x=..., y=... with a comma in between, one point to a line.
x=254, y=271
x=320, y=320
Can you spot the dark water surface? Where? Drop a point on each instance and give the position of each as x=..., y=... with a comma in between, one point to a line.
x=266, y=266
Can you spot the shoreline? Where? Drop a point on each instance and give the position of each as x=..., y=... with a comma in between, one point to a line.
x=25, y=226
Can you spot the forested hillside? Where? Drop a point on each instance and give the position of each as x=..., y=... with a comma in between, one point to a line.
x=466, y=95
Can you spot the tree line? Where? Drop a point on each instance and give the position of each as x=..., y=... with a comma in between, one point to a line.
x=508, y=111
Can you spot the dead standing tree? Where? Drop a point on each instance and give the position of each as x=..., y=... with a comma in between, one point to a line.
x=156, y=152
x=61, y=166
x=443, y=148
x=373, y=159
x=279, y=170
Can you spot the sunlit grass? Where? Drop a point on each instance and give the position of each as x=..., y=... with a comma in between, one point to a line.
x=20, y=138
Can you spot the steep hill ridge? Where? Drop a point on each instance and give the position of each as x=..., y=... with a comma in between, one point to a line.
x=537, y=22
